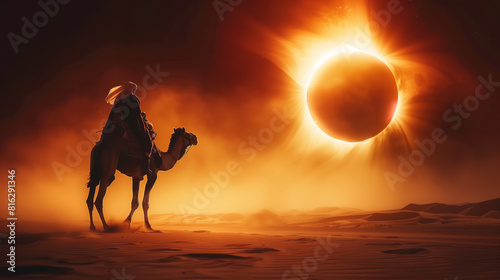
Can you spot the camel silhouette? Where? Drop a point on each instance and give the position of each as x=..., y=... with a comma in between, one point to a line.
x=110, y=154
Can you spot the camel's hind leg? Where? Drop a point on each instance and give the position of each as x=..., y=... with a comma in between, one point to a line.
x=108, y=164
x=99, y=201
x=90, y=205
x=135, y=199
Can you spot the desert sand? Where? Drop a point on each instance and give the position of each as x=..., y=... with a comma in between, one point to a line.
x=433, y=241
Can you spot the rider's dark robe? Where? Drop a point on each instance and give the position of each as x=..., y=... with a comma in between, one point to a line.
x=128, y=111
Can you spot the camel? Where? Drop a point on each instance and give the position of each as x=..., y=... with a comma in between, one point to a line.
x=109, y=155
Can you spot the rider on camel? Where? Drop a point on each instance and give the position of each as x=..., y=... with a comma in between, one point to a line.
x=126, y=109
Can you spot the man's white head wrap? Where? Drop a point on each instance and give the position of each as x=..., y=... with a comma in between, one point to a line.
x=120, y=92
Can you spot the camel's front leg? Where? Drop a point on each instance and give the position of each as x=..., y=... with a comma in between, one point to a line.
x=145, y=202
x=135, y=199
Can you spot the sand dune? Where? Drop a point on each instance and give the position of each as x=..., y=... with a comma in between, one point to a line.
x=393, y=216
x=434, y=213
x=325, y=244
x=469, y=209
x=492, y=214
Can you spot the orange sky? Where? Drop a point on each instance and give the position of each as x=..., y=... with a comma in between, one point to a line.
x=245, y=78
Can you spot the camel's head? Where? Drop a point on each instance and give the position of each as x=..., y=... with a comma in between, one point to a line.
x=190, y=138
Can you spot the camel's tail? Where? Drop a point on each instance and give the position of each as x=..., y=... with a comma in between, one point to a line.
x=95, y=168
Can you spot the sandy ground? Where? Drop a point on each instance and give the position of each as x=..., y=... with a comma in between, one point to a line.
x=323, y=244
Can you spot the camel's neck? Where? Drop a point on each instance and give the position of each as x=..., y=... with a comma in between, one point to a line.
x=167, y=161
x=170, y=157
